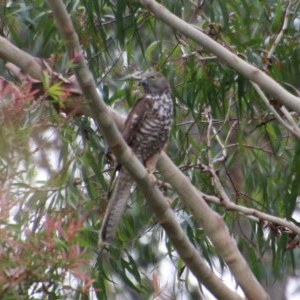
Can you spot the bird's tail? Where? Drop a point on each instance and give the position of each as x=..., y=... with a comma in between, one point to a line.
x=117, y=201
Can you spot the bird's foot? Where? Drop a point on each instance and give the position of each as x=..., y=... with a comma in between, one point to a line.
x=169, y=200
x=153, y=179
x=150, y=166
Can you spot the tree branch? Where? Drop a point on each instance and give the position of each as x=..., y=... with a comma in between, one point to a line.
x=30, y=65
x=291, y=128
x=279, y=37
x=214, y=227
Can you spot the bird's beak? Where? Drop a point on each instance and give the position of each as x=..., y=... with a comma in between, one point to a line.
x=143, y=82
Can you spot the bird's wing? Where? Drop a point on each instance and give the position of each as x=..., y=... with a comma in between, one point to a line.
x=134, y=119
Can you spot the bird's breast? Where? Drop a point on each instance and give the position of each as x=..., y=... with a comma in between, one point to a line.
x=163, y=106
x=155, y=128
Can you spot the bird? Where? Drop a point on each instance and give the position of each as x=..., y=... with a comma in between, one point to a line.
x=146, y=131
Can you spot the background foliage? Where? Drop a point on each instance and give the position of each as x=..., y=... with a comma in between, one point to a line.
x=54, y=173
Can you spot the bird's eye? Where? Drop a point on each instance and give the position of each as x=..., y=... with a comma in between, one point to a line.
x=153, y=77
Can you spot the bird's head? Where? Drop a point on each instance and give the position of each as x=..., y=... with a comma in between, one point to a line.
x=154, y=83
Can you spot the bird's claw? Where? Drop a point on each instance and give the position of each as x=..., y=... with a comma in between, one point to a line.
x=153, y=179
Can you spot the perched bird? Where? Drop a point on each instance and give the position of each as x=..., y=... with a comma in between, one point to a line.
x=146, y=131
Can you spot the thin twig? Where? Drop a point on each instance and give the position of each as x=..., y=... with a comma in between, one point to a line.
x=253, y=214
x=210, y=167
x=293, y=129
x=280, y=35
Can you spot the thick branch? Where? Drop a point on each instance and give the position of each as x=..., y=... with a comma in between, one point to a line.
x=214, y=227
x=25, y=61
